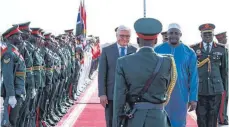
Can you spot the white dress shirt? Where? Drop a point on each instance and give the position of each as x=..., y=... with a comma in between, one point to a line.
x=205, y=46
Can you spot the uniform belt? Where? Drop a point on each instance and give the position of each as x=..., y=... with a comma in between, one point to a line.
x=147, y=105
x=37, y=68
x=49, y=69
x=29, y=69
x=20, y=74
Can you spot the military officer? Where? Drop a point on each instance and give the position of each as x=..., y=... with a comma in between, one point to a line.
x=148, y=103
x=13, y=70
x=164, y=36
x=223, y=117
x=213, y=76
x=222, y=37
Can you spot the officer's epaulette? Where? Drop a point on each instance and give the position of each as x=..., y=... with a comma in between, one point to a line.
x=167, y=55
x=193, y=45
x=12, y=46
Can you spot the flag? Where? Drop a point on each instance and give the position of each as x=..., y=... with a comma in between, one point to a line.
x=81, y=22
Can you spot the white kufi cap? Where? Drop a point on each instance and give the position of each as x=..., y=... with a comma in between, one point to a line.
x=174, y=25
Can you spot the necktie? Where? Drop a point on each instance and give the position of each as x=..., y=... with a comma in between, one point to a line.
x=122, y=51
x=208, y=47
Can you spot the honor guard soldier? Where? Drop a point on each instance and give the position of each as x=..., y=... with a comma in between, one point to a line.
x=213, y=76
x=223, y=117
x=143, y=88
x=13, y=71
x=26, y=50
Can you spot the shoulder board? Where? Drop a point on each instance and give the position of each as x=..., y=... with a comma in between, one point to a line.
x=221, y=45
x=130, y=53
x=167, y=55
x=4, y=48
x=193, y=45
x=17, y=53
x=12, y=46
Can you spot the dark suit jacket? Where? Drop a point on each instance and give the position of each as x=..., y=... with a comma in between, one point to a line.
x=107, y=66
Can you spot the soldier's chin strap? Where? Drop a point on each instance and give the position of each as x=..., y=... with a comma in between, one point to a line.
x=172, y=82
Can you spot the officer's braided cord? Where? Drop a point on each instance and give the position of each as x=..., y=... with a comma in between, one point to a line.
x=173, y=80
x=200, y=64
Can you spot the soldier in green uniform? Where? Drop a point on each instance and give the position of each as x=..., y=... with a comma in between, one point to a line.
x=38, y=70
x=13, y=71
x=48, y=76
x=213, y=76
x=71, y=48
x=223, y=117
x=67, y=53
x=146, y=106
x=57, y=78
x=25, y=50
x=60, y=106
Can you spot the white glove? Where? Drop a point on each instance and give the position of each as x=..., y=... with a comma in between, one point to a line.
x=34, y=93
x=12, y=101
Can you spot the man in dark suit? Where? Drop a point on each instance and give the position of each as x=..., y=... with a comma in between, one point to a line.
x=107, y=66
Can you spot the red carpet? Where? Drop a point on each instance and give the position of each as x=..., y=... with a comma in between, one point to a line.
x=89, y=113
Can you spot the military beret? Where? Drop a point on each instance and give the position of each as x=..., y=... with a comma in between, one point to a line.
x=69, y=31
x=11, y=31
x=24, y=27
x=220, y=36
x=147, y=28
x=208, y=27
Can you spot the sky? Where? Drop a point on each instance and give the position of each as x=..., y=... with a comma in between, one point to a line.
x=103, y=16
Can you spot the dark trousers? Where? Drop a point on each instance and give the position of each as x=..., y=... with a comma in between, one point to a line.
x=109, y=113
x=12, y=116
x=207, y=110
x=223, y=117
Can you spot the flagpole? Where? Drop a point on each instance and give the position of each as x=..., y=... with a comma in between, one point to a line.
x=144, y=8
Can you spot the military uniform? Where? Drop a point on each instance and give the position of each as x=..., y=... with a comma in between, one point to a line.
x=148, y=109
x=25, y=51
x=13, y=70
x=39, y=74
x=223, y=117
x=213, y=77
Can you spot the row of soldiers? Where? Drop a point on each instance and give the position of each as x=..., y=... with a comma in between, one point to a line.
x=40, y=74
